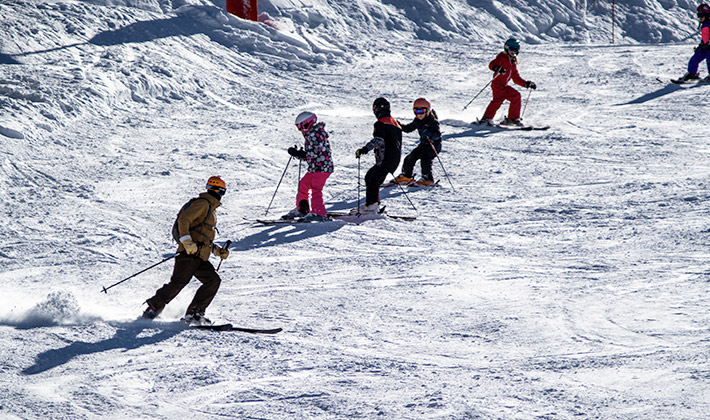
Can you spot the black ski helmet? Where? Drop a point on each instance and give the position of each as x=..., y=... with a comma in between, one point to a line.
x=381, y=107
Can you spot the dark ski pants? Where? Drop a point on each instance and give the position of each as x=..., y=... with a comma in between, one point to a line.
x=424, y=153
x=697, y=58
x=187, y=266
x=373, y=179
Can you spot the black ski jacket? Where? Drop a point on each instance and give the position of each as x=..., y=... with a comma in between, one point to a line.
x=428, y=127
x=387, y=143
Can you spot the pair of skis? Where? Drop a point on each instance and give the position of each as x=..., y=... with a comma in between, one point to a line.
x=346, y=217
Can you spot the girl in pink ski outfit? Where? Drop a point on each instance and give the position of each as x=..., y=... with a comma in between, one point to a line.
x=316, y=152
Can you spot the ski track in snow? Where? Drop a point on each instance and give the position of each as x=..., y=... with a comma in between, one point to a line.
x=565, y=277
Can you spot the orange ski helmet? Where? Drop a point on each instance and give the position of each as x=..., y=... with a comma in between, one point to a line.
x=217, y=184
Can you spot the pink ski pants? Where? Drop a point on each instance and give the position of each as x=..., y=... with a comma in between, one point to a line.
x=313, y=181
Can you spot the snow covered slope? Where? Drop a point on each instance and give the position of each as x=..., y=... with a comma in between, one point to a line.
x=564, y=277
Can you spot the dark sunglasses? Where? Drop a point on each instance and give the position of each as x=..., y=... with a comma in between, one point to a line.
x=419, y=111
x=701, y=15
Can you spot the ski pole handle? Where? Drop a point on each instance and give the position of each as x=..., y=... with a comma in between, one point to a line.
x=226, y=246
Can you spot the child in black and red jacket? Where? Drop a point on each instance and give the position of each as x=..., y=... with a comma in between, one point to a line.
x=387, y=144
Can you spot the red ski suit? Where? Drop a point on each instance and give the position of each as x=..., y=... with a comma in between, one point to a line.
x=501, y=90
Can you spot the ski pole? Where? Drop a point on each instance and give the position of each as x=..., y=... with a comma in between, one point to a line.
x=440, y=163
x=226, y=246
x=358, y=186
x=474, y=98
x=526, y=103
x=405, y=193
x=278, y=185
x=298, y=185
x=105, y=289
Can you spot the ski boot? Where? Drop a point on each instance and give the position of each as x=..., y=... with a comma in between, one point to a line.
x=514, y=122
x=196, y=319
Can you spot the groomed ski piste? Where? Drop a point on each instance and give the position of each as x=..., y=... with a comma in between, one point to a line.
x=564, y=277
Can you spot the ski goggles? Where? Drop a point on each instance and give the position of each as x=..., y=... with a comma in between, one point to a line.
x=304, y=126
x=219, y=190
x=420, y=111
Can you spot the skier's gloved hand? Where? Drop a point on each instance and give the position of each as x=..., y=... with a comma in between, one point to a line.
x=189, y=244
x=218, y=251
x=498, y=69
x=362, y=151
x=703, y=47
x=301, y=154
x=530, y=85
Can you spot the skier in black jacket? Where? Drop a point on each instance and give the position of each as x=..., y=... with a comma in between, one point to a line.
x=427, y=124
x=387, y=143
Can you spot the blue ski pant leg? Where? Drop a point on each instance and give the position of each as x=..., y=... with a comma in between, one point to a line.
x=697, y=58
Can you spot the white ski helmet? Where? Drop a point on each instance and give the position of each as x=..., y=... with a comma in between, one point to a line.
x=305, y=120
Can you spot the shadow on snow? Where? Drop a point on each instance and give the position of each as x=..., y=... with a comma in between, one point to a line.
x=284, y=233
x=658, y=93
x=126, y=337
x=473, y=130
x=142, y=31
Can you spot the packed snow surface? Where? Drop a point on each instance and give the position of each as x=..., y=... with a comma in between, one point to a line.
x=557, y=274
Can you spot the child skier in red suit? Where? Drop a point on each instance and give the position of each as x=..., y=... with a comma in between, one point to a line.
x=505, y=68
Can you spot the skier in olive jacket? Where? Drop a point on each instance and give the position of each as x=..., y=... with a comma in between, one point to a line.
x=196, y=224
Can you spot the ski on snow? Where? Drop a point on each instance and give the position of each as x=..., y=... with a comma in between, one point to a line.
x=412, y=184
x=685, y=82
x=282, y=221
x=346, y=217
x=514, y=127
x=230, y=327
x=367, y=216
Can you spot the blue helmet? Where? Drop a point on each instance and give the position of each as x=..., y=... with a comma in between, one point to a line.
x=512, y=45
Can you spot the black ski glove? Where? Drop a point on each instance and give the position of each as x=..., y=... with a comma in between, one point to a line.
x=301, y=154
x=360, y=152
x=498, y=69
x=530, y=85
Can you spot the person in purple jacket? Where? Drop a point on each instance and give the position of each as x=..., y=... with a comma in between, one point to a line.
x=702, y=51
x=316, y=152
